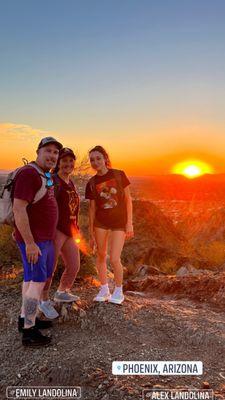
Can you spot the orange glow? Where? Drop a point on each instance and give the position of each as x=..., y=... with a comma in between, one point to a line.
x=80, y=241
x=130, y=146
x=192, y=168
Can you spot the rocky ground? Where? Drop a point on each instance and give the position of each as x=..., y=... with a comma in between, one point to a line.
x=149, y=326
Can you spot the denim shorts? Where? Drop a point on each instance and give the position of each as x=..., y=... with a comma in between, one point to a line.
x=43, y=268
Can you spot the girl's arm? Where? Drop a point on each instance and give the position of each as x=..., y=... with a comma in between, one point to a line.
x=129, y=226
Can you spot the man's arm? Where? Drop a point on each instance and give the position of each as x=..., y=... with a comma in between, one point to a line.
x=22, y=223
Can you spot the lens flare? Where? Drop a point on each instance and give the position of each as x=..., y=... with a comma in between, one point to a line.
x=80, y=241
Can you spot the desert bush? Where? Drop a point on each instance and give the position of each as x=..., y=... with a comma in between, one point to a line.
x=87, y=266
x=213, y=252
x=169, y=266
x=9, y=253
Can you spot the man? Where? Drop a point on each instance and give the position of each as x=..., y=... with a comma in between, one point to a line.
x=36, y=216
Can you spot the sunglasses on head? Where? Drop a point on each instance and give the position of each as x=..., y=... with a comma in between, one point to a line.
x=49, y=181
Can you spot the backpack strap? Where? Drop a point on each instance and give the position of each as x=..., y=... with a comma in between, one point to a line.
x=43, y=189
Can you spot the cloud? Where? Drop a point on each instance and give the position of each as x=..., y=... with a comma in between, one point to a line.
x=14, y=132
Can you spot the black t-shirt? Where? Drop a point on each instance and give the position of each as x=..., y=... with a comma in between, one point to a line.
x=68, y=205
x=107, y=191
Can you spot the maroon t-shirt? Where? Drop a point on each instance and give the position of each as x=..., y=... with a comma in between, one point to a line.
x=43, y=215
x=68, y=204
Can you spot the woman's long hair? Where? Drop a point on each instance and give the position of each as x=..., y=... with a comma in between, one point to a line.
x=101, y=150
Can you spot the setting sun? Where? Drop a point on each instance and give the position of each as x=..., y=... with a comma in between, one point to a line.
x=192, y=168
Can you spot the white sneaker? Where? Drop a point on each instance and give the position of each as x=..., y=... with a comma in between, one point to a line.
x=47, y=309
x=102, y=295
x=117, y=298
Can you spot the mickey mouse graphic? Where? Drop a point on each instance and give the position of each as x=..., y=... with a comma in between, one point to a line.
x=108, y=191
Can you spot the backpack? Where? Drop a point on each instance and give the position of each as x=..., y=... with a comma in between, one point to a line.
x=118, y=178
x=6, y=202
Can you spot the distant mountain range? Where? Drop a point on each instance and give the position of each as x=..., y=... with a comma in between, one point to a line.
x=178, y=187
x=175, y=187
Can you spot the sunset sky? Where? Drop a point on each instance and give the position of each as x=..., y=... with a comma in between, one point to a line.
x=143, y=78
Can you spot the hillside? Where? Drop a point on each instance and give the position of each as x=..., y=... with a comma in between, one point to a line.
x=152, y=325
x=164, y=317
x=153, y=230
x=158, y=240
x=207, y=225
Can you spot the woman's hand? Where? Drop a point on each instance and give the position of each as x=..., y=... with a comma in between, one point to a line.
x=14, y=235
x=129, y=231
x=92, y=243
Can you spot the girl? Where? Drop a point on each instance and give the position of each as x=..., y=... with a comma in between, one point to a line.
x=67, y=230
x=110, y=211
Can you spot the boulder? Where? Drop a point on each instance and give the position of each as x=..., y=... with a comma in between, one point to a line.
x=145, y=270
x=188, y=269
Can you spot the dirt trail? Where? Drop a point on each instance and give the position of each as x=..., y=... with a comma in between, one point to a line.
x=145, y=328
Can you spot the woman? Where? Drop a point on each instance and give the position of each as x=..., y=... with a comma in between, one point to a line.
x=67, y=231
x=110, y=211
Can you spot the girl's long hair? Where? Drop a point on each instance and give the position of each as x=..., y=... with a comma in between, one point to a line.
x=101, y=150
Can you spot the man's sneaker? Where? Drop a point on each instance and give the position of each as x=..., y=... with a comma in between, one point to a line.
x=117, y=298
x=65, y=297
x=46, y=307
x=103, y=295
x=33, y=337
x=40, y=324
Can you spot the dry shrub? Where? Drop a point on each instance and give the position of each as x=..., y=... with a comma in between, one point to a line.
x=213, y=252
x=9, y=253
x=168, y=266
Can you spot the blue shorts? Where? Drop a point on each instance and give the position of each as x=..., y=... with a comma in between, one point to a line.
x=43, y=268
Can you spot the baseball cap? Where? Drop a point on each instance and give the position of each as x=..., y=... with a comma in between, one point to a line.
x=48, y=140
x=65, y=151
